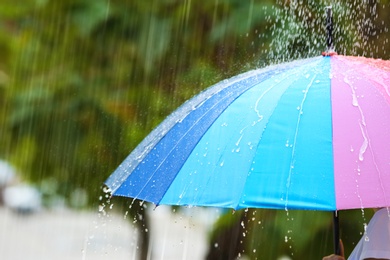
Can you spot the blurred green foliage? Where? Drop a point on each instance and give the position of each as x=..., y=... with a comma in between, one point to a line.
x=83, y=81
x=272, y=234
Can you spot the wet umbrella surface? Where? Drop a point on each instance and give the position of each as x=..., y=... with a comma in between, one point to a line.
x=311, y=134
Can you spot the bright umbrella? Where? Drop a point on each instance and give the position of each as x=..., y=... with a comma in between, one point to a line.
x=311, y=134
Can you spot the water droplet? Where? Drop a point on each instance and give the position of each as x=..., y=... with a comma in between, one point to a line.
x=106, y=189
x=354, y=101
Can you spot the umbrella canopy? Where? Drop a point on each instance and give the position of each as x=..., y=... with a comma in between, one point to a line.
x=309, y=134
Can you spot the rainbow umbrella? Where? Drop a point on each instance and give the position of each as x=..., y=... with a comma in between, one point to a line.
x=311, y=134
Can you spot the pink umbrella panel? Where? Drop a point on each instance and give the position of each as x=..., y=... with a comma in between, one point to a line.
x=361, y=132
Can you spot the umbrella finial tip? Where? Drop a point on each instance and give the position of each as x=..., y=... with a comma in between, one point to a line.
x=330, y=52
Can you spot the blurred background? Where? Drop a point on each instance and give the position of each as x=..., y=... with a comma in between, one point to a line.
x=82, y=82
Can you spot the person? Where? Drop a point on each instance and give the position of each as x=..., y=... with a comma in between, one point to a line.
x=375, y=243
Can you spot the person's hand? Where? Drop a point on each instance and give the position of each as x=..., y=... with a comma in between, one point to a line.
x=336, y=257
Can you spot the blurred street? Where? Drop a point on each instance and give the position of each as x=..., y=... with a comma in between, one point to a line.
x=66, y=234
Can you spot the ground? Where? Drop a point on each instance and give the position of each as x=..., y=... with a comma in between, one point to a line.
x=67, y=234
